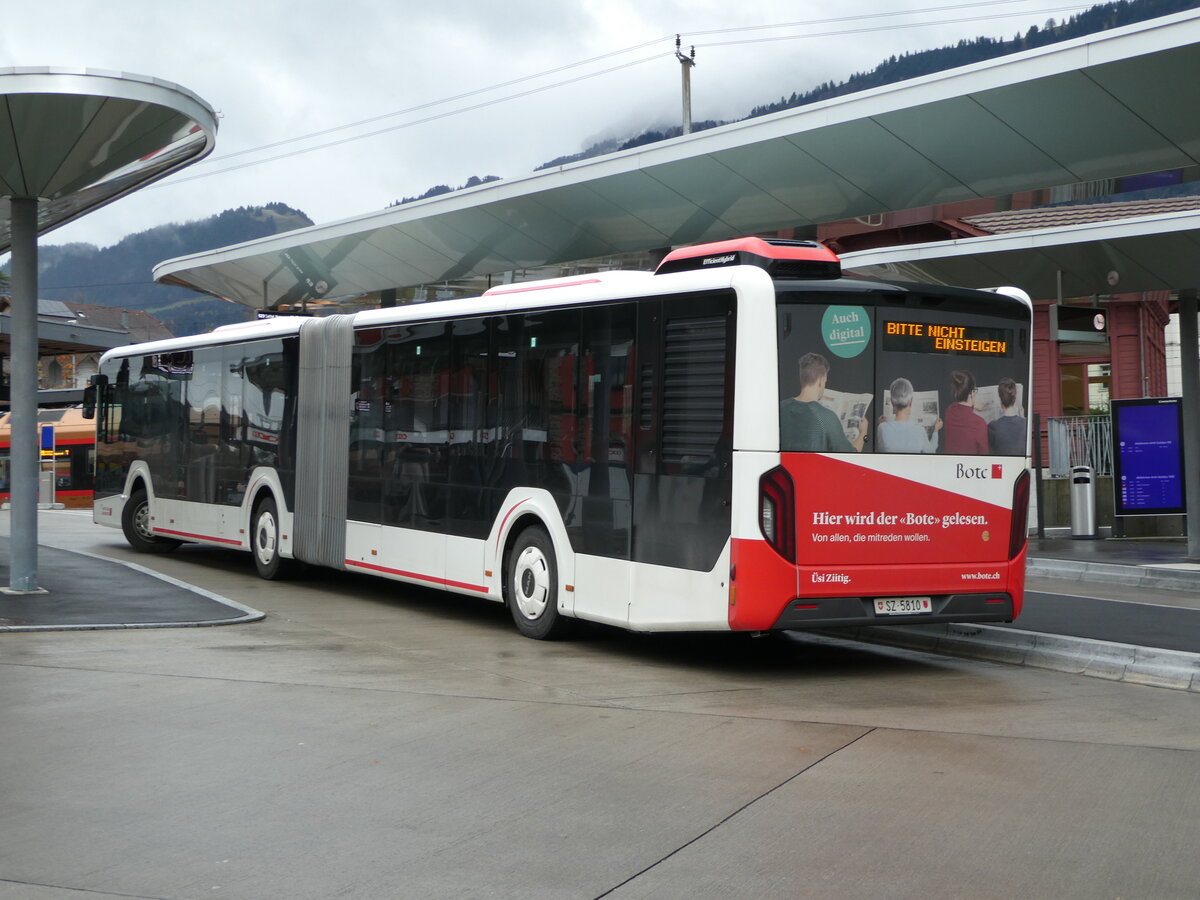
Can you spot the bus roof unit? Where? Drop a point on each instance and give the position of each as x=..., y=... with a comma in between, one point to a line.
x=780, y=258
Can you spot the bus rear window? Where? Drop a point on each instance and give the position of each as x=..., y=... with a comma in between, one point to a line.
x=900, y=373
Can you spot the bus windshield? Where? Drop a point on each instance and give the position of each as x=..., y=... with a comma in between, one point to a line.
x=898, y=372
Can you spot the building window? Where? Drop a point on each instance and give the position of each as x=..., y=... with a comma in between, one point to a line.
x=1086, y=388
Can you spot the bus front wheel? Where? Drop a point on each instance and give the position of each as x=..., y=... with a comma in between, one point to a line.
x=265, y=537
x=135, y=523
x=531, y=586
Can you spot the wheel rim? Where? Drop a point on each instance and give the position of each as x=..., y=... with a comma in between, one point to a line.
x=265, y=538
x=531, y=582
x=141, y=521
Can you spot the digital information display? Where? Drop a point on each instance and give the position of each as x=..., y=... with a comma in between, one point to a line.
x=964, y=340
x=1148, y=456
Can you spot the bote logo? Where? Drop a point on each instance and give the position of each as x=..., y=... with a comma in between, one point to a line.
x=963, y=471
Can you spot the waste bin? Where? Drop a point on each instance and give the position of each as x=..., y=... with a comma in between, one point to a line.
x=45, y=489
x=1083, y=502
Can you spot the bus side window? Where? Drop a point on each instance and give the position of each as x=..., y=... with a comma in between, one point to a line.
x=682, y=482
x=549, y=385
x=607, y=440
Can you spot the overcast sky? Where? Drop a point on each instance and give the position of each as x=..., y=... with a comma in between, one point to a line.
x=277, y=70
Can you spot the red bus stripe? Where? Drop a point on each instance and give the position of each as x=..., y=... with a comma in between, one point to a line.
x=417, y=575
x=498, y=291
x=58, y=442
x=468, y=587
x=57, y=493
x=198, y=537
x=508, y=514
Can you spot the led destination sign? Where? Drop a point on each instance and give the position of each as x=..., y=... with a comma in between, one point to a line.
x=928, y=337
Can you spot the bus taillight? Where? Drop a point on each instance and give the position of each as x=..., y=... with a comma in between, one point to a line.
x=777, y=511
x=1020, y=515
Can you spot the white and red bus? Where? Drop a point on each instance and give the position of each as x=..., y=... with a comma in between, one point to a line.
x=742, y=440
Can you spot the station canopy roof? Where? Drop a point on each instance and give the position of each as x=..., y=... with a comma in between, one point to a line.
x=77, y=139
x=1117, y=103
x=1142, y=253
x=56, y=337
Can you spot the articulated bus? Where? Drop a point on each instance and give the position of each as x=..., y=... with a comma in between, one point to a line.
x=742, y=440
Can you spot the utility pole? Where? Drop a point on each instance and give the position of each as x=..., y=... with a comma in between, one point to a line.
x=686, y=63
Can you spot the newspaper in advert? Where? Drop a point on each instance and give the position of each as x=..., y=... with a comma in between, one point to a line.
x=850, y=409
x=987, y=401
x=926, y=409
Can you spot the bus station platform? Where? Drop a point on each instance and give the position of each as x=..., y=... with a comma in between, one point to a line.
x=1143, y=562
x=1121, y=609
x=89, y=592
x=1128, y=606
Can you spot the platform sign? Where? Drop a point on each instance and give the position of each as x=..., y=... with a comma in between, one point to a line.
x=1148, y=457
x=47, y=441
x=1078, y=323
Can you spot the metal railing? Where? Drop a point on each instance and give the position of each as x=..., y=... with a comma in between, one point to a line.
x=1079, y=441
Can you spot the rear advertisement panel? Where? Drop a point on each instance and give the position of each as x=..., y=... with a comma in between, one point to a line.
x=902, y=421
x=902, y=375
x=857, y=522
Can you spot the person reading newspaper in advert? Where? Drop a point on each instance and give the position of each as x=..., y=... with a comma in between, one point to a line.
x=805, y=424
x=966, y=430
x=1006, y=434
x=903, y=433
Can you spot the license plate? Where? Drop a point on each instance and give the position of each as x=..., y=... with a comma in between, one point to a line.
x=903, y=606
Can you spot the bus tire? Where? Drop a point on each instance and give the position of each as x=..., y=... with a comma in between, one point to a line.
x=135, y=523
x=531, y=586
x=264, y=542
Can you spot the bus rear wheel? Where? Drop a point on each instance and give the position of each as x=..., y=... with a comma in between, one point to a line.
x=531, y=586
x=135, y=523
x=264, y=542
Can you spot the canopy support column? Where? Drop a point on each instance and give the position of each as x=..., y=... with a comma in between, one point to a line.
x=1189, y=356
x=24, y=447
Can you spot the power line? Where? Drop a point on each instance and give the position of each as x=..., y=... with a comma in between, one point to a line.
x=525, y=78
x=71, y=287
x=452, y=99
x=894, y=27
x=426, y=120
x=569, y=66
x=880, y=15
x=541, y=89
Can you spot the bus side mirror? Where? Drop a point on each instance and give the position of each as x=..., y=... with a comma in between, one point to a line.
x=89, y=395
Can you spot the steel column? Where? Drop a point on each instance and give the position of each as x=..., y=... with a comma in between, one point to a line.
x=23, y=453
x=1189, y=358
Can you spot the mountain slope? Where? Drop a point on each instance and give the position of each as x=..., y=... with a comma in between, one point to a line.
x=120, y=275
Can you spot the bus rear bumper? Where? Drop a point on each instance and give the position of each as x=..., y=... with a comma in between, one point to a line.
x=768, y=592
x=851, y=612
